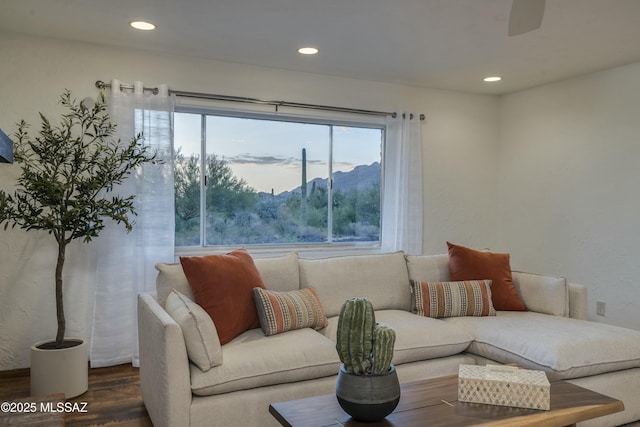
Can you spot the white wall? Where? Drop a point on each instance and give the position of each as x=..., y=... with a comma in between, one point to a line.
x=460, y=154
x=569, y=193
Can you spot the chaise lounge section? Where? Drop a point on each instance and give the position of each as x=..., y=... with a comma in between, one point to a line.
x=253, y=369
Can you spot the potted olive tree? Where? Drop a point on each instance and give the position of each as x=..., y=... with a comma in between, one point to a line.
x=367, y=387
x=68, y=172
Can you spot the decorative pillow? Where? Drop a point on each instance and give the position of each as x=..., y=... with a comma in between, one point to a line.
x=284, y=311
x=198, y=330
x=223, y=286
x=469, y=264
x=171, y=276
x=542, y=293
x=453, y=299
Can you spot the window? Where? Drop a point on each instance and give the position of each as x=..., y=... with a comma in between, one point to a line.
x=267, y=180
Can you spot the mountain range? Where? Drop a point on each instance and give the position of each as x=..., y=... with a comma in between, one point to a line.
x=360, y=177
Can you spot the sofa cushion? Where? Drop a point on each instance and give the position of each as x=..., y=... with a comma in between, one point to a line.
x=279, y=273
x=255, y=360
x=284, y=311
x=469, y=264
x=417, y=338
x=381, y=278
x=451, y=299
x=563, y=347
x=542, y=294
x=198, y=330
x=223, y=286
x=428, y=268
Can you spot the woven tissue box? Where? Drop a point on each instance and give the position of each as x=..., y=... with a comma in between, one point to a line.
x=503, y=386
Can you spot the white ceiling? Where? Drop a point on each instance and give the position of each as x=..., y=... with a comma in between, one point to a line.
x=447, y=44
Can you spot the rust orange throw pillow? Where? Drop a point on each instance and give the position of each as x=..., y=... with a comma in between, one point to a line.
x=223, y=286
x=469, y=264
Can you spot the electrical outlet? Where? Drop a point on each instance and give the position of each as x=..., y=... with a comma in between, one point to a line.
x=601, y=308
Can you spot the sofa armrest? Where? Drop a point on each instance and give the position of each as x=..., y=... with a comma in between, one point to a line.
x=578, y=301
x=164, y=367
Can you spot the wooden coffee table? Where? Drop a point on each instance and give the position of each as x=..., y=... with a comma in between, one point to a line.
x=433, y=402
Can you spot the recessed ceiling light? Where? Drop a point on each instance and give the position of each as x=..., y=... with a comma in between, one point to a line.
x=492, y=79
x=308, y=50
x=142, y=25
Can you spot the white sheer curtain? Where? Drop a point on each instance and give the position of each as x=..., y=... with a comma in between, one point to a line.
x=402, y=209
x=125, y=261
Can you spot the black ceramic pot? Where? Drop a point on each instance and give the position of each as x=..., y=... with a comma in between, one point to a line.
x=368, y=397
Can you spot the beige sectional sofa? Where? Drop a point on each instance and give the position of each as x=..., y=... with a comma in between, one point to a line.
x=255, y=370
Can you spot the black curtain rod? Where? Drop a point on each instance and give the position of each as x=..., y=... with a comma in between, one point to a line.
x=200, y=95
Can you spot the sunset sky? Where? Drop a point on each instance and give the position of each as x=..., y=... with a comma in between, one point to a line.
x=268, y=154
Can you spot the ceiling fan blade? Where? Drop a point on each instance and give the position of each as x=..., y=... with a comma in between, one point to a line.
x=526, y=15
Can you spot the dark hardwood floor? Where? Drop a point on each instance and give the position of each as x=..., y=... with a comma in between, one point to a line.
x=113, y=398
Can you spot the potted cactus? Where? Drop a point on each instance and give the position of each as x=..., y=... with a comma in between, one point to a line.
x=367, y=387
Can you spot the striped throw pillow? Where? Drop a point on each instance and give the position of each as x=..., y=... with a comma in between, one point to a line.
x=284, y=311
x=453, y=299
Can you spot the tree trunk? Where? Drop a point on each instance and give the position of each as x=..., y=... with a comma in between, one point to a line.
x=62, y=245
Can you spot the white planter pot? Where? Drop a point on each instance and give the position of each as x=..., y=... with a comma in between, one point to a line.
x=63, y=370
